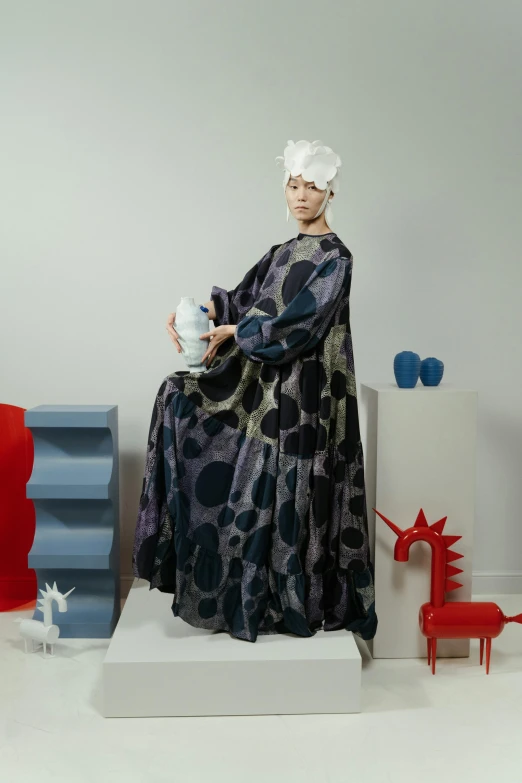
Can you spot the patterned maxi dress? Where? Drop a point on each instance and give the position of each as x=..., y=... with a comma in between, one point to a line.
x=253, y=507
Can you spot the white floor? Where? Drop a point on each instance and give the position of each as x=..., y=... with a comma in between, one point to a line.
x=459, y=724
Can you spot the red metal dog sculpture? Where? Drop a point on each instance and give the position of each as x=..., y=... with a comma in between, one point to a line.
x=454, y=620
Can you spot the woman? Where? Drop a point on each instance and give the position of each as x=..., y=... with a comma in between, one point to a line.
x=253, y=508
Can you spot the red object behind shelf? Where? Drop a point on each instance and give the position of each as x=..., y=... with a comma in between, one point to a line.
x=18, y=585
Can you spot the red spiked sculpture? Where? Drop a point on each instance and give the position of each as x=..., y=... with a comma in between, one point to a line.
x=438, y=619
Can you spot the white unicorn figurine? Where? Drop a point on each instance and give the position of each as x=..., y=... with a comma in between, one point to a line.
x=44, y=632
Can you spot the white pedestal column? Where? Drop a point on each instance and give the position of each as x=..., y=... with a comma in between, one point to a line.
x=420, y=453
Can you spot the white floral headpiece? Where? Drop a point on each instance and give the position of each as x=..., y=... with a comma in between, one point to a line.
x=316, y=163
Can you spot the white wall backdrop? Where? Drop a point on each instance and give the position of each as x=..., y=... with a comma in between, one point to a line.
x=137, y=146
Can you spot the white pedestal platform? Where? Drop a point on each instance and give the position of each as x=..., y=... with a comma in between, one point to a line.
x=419, y=453
x=158, y=665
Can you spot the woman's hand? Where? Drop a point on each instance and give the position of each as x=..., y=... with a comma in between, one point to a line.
x=217, y=336
x=172, y=332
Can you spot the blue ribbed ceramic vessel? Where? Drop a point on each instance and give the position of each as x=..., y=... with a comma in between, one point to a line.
x=431, y=371
x=406, y=366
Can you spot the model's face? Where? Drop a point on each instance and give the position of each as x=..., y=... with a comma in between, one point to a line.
x=304, y=198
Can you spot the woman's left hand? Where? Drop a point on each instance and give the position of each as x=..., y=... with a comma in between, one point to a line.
x=217, y=336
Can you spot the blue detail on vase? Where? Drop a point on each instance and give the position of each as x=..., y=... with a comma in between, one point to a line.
x=205, y=309
x=75, y=490
x=431, y=371
x=406, y=366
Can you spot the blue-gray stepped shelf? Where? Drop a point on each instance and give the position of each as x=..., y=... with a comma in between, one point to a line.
x=75, y=490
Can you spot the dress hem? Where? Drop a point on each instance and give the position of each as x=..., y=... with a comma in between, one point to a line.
x=249, y=599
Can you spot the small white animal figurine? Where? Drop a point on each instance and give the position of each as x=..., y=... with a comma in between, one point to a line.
x=44, y=632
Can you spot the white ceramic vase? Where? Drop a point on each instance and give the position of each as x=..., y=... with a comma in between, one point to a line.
x=190, y=323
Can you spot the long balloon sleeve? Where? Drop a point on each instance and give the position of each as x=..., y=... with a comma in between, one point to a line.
x=231, y=305
x=299, y=327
